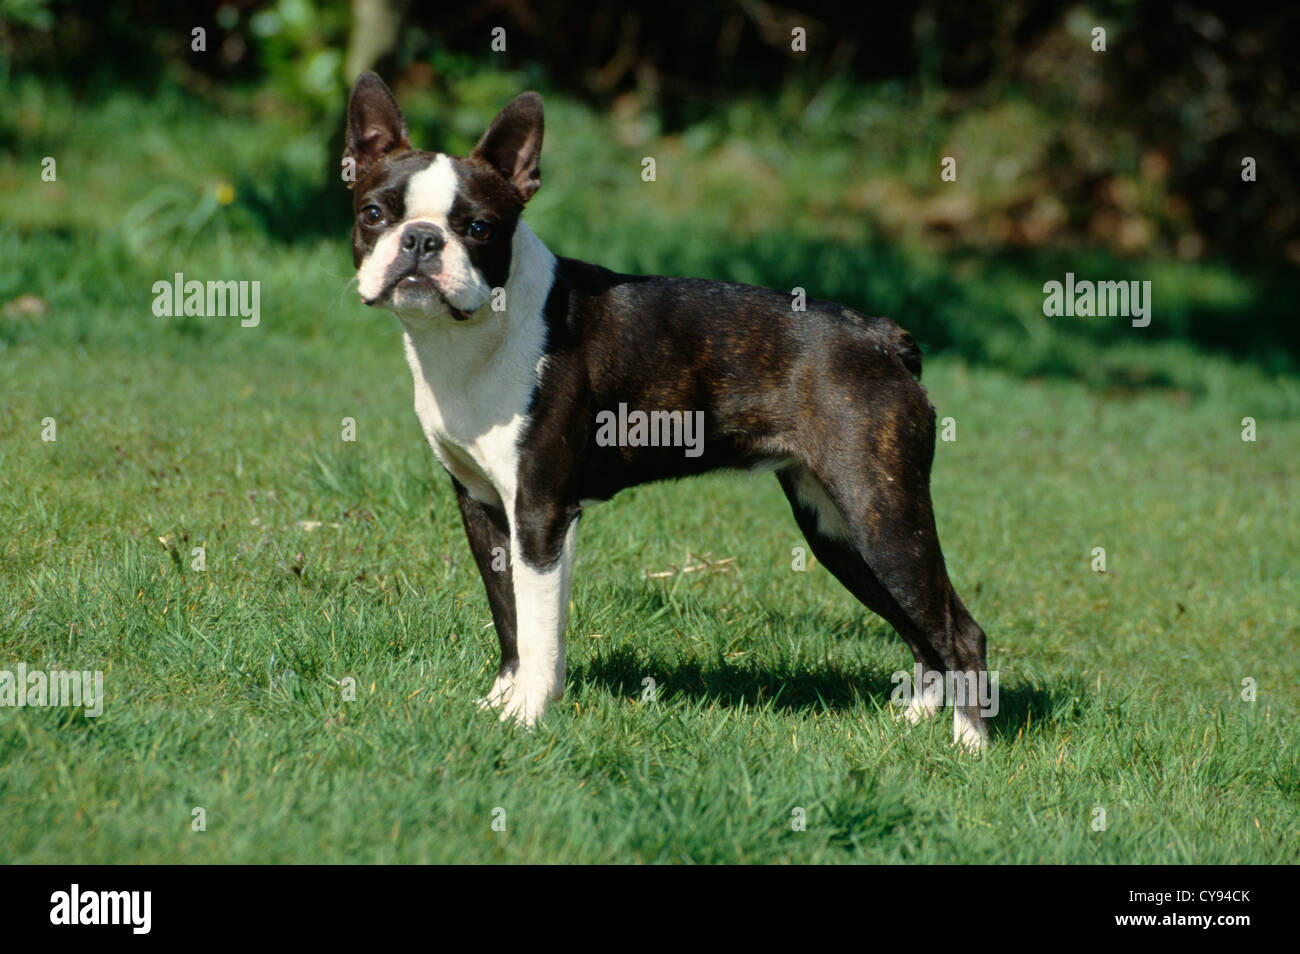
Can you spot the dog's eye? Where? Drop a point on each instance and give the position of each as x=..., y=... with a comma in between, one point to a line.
x=480, y=230
x=372, y=215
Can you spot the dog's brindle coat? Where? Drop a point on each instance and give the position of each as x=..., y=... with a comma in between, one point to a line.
x=509, y=403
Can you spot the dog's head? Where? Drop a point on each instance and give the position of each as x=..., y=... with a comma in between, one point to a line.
x=432, y=234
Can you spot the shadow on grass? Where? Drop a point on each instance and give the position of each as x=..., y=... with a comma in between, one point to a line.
x=1033, y=709
x=819, y=686
x=825, y=685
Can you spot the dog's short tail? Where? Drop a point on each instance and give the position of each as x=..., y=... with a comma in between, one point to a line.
x=908, y=351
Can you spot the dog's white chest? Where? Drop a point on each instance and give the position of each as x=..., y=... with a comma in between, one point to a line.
x=474, y=382
x=473, y=429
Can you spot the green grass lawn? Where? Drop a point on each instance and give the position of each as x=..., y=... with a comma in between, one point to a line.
x=328, y=559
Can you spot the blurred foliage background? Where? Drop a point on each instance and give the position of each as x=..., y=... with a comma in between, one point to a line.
x=780, y=165
x=1137, y=148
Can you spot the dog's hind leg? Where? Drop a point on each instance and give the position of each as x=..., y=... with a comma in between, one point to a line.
x=885, y=551
x=828, y=534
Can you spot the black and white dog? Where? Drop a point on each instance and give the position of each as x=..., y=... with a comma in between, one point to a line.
x=518, y=355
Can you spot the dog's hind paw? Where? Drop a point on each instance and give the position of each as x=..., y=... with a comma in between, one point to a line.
x=916, y=711
x=970, y=735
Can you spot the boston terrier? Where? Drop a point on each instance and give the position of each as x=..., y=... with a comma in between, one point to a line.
x=523, y=361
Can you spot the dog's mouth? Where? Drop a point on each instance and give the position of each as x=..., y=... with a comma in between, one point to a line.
x=417, y=289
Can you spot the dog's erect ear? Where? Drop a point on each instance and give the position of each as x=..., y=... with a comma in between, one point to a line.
x=375, y=127
x=513, y=143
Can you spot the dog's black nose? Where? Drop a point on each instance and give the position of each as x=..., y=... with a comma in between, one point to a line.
x=423, y=241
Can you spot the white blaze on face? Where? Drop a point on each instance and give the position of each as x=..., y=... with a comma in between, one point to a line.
x=430, y=194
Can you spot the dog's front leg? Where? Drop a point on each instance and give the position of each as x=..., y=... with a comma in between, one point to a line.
x=489, y=540
x=541, y=561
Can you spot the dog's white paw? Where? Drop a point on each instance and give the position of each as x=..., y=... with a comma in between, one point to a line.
x=918, y=709
x=499, y=692
x=971, y=736
x=524, y=708
x=519, y=700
